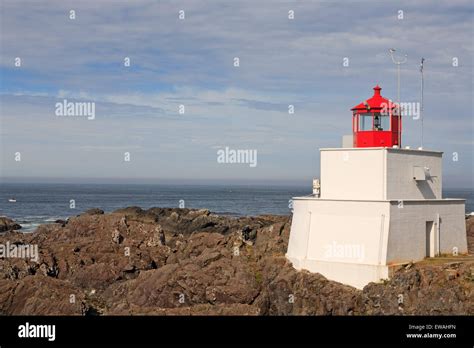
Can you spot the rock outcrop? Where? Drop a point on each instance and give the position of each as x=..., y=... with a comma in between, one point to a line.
x=7, y=224
x=166, y=261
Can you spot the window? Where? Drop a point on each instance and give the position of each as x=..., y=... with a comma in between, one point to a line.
x=381, y=122
x=365, y=122
x=377, y=122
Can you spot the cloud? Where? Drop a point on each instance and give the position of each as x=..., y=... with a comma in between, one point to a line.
x=190, y=62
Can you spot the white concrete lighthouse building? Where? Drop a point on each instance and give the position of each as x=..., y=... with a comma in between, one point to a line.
x=377, y=205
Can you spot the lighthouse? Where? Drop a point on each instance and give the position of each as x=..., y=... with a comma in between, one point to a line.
x=376, y=122
x=376, y=205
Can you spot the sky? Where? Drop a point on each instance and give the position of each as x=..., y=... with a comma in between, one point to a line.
x=190, y=62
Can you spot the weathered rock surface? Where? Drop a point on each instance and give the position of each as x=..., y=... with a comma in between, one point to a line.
x=164, y=261
x=470, y=233
x=7, y=224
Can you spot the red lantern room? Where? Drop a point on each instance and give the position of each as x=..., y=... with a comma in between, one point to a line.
x=376, y=123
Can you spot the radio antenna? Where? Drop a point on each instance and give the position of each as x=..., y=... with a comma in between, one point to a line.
x=421, y=107
x=398, y=62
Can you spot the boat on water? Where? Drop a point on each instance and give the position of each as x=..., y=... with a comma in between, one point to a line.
x=12, y=200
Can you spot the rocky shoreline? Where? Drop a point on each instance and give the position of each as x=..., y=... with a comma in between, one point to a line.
x=7, y=224
x=165, y=261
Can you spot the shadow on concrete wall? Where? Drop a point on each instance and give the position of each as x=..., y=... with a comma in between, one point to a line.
x=426, y=189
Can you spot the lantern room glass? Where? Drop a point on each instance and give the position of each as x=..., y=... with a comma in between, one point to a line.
x=381, y=122
x=365, y=122
x=374, y=122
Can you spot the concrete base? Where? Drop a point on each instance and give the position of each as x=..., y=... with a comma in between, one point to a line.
x=356, y=242
x=356, y=275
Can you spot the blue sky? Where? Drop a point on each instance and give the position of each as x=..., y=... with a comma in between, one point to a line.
x=190, y=62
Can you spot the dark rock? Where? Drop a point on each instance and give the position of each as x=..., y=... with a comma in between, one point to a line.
x=157, y=238
x=470, y=234
x=37, y=294
x=129, y=268
x=246, y=232
x=117, y=237
x=61, y=222
x=451, y=274
x=170, y=261
x=93, y=211
x=7, y=224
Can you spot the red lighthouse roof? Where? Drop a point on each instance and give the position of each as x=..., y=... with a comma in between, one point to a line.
x=376, y=122
x=375, y=102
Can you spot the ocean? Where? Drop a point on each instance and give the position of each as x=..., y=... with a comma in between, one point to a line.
x=42, y=203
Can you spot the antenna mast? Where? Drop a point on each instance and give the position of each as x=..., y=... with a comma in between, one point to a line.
x=398, y=62
x=421, y=107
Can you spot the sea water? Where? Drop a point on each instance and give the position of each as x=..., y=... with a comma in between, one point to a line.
x=42, y=203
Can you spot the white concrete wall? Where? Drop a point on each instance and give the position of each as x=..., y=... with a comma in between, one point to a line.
x=321, y=226
x=379, y=174
x=400, y=182
x=355, y=242
x=356, y=275
x=407, y=235
x=355, y=173
x=300, y=228
x=346, y=241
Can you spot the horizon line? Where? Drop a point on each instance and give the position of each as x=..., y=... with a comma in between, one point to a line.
x=168, y=181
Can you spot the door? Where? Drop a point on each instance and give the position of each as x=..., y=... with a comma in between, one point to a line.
x=430, y=245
